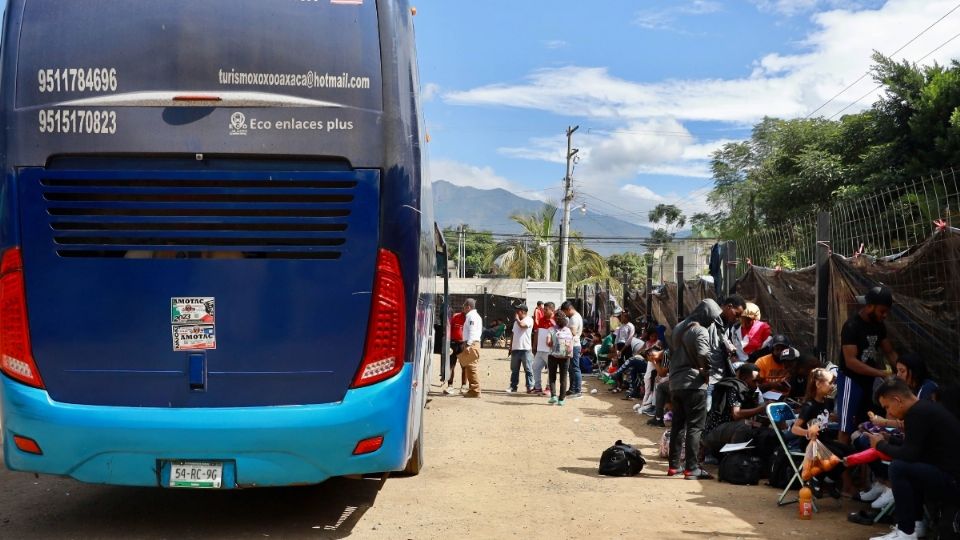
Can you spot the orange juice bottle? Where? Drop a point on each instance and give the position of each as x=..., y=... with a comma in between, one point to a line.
x=806, y=503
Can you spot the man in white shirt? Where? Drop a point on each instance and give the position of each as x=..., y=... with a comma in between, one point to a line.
x=470, y=356
x=520, y=349
x=625, y=334
x=575, y=324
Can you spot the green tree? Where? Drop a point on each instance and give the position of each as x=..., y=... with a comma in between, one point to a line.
x=629, y=264
x=479, y=246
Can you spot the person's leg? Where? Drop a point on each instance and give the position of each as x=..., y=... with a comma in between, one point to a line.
x=637, y=371
x=516, y=357
x=909, y=481
x=709, y=398
x=576, y=378
x=552, y=364
x=696, y=417
x=849, y=398
x=528, y=369
x=564, y=366
x=679, y=423
x=662, y=398
x=649, y=379
x=473, y=369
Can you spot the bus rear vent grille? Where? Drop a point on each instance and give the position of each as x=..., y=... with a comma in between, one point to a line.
x=199, y=218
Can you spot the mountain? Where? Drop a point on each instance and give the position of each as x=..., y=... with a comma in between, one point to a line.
x=490, y=210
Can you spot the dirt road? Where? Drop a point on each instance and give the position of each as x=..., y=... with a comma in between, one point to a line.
x=503, y=466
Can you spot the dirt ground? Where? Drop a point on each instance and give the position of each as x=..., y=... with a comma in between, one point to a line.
x=503, y=466
x=509, y=465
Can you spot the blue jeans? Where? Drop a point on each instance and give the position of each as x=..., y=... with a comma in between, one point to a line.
x=710, y=396
x=516, y=359
x=638, y=367
x=576, y=378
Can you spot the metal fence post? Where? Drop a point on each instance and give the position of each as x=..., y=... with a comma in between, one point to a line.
x=650, y=290
x=820, y=330
x=680, y=315
x=730, y=268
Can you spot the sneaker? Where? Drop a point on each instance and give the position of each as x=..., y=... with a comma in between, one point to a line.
x=896, y=534
x=883, y=500
x=656, y=422
x=552, y=400
x=577, y=395
x=450, y=391
x=920, y=529
x=697, y=474
x=535, y=391
x=871, y=494
x=464, y=389
x=560, y=403
x=675, y=472
x=649, y=410
x=531, y=391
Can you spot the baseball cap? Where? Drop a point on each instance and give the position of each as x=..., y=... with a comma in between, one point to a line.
x=780, y=340
x=752, y=311
x=521, y=307
x=877, y=296
x=789, y=355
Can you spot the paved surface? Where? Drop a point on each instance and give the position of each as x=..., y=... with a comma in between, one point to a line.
x=497, y=467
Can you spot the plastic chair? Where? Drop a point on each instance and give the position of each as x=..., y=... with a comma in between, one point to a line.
x=777, y=413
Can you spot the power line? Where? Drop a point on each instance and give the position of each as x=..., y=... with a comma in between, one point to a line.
x=904, y=46
x=879, y=86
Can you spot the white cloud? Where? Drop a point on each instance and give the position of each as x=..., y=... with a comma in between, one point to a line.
x=834, y=54
x=463, y=174
x=555, y=44
x=664, y=18
x=429, y=91
x=795, y=7
x=641, y=192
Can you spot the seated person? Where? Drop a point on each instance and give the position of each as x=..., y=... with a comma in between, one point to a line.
x=734, y=400
x=913, y=371
x=799, y=374
x=751, y=334
x=490, y=332
x=775, y=367
x=924, y=468
x=636, y=364
x=813, y=424
x=661, y=390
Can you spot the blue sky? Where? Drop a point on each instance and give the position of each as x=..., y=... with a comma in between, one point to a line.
x=655, y=85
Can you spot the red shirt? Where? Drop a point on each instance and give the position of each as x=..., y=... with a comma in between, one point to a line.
x=456, y=326
x=537, y=317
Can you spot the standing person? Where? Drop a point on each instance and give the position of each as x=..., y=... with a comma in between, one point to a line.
x=521, y=349
x=694, y=346
x=537, y=319
x=924, y=468
x=456, y=345
x=470, y=357
x=575, y=324
x=560, y=344
x=721, y=366
x=542, y=351
x=862, y=339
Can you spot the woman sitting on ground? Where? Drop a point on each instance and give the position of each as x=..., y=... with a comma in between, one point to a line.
x=752, y=333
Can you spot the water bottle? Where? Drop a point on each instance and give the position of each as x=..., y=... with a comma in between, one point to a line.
x=806, y=503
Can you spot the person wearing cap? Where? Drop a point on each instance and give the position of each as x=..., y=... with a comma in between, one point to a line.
x=863, y=339
x=775, y=367
x=470, y=356
x=521, y=349
x=751, y=334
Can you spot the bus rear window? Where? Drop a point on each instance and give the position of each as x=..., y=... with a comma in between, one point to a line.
x=319, y=50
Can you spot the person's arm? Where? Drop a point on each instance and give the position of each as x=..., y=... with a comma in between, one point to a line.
x=744, y=414
x=799, y=430
x=852, y=363
x=889, y=353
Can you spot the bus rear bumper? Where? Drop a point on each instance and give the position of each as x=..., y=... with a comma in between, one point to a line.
x=259, y=446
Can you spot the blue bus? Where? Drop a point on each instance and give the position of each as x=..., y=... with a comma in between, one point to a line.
x=218, y=248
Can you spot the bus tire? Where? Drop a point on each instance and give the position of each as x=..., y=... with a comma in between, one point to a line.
x=415, y=463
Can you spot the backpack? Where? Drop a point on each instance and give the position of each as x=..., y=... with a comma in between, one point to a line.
x=665, y=445
x=562, y=345
x=621, y=460
x=740, y=468
x=586, y=366
x=781, y=471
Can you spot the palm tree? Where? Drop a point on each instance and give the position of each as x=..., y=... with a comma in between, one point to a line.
x=526, y=256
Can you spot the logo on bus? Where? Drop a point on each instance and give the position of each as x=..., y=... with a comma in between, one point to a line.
x=238, y=123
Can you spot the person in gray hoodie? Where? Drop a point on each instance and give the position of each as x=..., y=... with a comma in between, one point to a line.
x=695, y=343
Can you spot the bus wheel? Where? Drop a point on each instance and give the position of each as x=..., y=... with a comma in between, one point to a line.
x=416, y=458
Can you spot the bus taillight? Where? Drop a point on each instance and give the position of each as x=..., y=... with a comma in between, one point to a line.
x=16, y=360
x=383, y=353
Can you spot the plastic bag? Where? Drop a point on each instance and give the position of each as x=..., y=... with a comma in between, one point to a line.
x=817, y=460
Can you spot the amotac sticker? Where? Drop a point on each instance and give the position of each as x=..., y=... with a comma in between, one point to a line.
x=192, y=310
x=198, y=337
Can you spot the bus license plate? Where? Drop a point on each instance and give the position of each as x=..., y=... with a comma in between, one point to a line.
x=190, y=474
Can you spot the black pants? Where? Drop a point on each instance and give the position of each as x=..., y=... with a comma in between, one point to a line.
x=690, y=413
x=913, y=485
x=661, y=398
x=563, y=364
x=457, y=347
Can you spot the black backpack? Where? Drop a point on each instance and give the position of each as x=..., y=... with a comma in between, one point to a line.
x=621, y=459
x=740, y=468
x=780, y=470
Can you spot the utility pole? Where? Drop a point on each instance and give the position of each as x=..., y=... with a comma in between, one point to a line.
x=548, y=255
x=567, y=199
